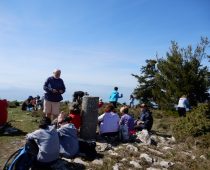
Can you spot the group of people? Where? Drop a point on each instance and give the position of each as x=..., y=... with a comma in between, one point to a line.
x=54, y=143
x=111, y=124
x=32, y=103
x=63, y=134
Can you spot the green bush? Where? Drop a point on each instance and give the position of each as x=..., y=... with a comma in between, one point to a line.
x=194, y=124
x=14, y=104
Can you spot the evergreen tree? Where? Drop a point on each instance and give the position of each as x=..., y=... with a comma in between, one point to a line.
x=180, y=72
x=146, y=81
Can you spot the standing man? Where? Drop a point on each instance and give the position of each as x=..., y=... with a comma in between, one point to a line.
x=54, y=87
x=114, y=97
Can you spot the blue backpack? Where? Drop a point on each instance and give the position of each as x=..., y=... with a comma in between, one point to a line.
x=23, y=158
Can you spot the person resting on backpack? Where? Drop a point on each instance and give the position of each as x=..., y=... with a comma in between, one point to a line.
x=74, y=115
x=127, y=120
x=109, y=122
x=46, y=137
x=69, y=145
x=146, y=119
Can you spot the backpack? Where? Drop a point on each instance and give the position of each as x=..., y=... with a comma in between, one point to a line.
x=88, y=148
x=23, y=158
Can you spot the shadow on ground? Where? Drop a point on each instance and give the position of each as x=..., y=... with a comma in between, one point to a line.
x=9, y=130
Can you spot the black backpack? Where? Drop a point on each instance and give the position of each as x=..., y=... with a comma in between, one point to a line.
x=88, y=148
x=23, y=158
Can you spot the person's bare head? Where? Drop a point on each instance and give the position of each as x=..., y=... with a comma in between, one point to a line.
x=57, y=73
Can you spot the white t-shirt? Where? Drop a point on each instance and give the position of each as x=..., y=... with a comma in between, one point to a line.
x=109, y=122
x=183, y=103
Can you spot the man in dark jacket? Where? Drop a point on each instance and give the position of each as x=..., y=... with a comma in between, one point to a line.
x=54, y=88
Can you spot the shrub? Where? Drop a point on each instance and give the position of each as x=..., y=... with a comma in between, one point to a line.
x=14, y=104
x=194, y=124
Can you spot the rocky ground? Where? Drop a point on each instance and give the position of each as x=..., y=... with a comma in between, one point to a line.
x=162, y=153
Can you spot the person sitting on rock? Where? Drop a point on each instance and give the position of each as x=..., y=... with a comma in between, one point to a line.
x=69, y=144
x=109, y=122
x=126, y=123
x=47, y=140
x=146, y=120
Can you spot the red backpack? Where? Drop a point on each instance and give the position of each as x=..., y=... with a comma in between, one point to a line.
x=3, y=112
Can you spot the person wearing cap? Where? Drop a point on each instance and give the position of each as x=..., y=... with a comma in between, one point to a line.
x=54, y=88
x=69, y=144
x=146, y=120
x=115, y=96
x=100, y=103
x=47, y=140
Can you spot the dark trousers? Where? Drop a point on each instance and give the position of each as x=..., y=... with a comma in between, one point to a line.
x=182, y=111
x=42, y=165
x=114, y=104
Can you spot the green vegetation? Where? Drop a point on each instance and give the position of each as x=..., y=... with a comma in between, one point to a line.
x=196, y=123
x=164, y=80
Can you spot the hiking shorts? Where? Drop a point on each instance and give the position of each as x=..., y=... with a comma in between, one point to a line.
x=51, y=107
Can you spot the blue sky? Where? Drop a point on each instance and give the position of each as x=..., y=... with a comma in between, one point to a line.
x=96, y=44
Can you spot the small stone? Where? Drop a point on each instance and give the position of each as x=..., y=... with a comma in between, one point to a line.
x=146, y=157
x=98, y=162
x=135, y=164
x=79, y=161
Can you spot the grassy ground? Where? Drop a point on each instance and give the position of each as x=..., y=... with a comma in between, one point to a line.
x=24, y=121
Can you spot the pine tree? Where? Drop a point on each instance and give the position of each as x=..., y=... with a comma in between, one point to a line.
x=180, y=72
x=146, y=81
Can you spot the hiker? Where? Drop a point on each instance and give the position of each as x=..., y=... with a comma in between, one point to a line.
x=39, y=103
x=28, y=104
x=115, y=96
x=109, y=122
x=69, y=145
x=47, y=140
x=182, y=106
x=126, y=123
x=74, y=115
x=145, y=120
x=77, y=96
x=54, y=88
x=100, y=103
x=131, y=101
